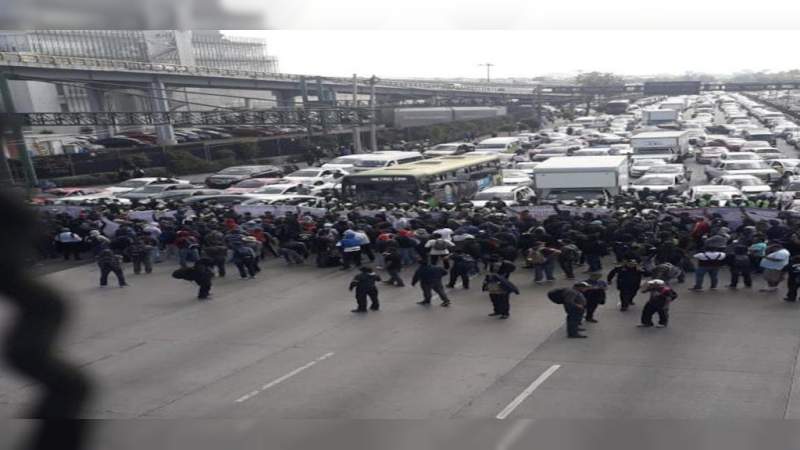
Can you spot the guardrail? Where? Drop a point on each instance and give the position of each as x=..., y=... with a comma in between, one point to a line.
x=53, y=61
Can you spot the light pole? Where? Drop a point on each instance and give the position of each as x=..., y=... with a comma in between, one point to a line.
x=488, y=71
x=373, y=126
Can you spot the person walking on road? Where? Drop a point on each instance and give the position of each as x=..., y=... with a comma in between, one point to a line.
x=200, y=274
x=574, y=304
x=429, y=278
x=108, y=262
x=661, y=295
x=394, y=264
x=629, y=278
x=461, y=265
x=244, y=258
x=500, y=290
x=364, y=285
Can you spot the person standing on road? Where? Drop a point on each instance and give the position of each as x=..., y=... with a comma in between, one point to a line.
x=108, y=262
x=661, y=295
x=244, y=258
x=629, y=278
x=364, y=285
x=500, y=290
x=595, y=295
x=574, y=304
x=773, y=263
x=141, y=254
x=429, y=278
x=69, y=243
x=439, y=247
x=708, y=262
x=793, y=279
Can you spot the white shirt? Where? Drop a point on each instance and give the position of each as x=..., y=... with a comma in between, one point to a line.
x=434, y=252
x=67, y=237
x=445, y=233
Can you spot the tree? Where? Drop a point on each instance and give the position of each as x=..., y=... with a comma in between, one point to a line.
x=598, y=79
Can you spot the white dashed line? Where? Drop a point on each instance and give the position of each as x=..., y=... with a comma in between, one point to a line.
x=280, y=380
x=527, y=392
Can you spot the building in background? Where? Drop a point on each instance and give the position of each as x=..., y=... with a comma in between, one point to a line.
x=207, y=48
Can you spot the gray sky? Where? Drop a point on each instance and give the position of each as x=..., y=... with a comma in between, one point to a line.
x=524, y=53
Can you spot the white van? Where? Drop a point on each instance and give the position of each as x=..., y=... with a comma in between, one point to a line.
x=367, y=161
x=508, y=145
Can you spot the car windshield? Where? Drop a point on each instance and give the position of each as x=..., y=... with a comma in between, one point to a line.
x=132, y=184
x=740, y=157
x=793, y=186
x=249, y=184
x=649, y=162
x=341, y=160
x=655, y=181
x=514, y=174
x=744, y=165
x=151, y=189
x=743, y=182
x=370, y=163
x=236, y=171
x=445, y=147
x=666, y=169
x=272, y=190
x=492, y=195
x=491, y=146
x=305, y=174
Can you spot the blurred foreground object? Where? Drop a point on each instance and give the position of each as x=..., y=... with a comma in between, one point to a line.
x=110, y=14
x=30, y=344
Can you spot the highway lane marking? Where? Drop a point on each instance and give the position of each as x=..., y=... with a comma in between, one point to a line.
x=280, y=380
x=527, y=392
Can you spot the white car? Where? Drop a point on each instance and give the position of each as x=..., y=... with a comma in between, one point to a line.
x=449, y=148
x=135, y=183
x=514, y=177
x=720, y=193
x=640, y=166
x=748, y=184
x=314, y=176
x=658, y=182
x=510, y=195
x=739, y=156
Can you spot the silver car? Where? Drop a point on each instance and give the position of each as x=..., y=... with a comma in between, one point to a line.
x=758, y=168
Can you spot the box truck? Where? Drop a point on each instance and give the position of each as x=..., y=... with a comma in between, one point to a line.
x=671, y=146
x=590, y=177
x=659, y=116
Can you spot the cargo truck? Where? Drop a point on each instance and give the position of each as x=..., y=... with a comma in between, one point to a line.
x=565, y=179
x=671, y=146
x=659, y=116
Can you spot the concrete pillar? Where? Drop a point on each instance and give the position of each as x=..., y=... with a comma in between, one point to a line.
x=160, y=104
x=284, y=99
x=97, y=103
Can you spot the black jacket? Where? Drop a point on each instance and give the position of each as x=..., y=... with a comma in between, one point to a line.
x=365, y=282
x=628, y=278
x=428, y=274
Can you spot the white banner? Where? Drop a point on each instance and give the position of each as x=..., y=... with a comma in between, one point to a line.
x=73, y=211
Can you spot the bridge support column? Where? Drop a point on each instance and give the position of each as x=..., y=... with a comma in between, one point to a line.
x=284, y=99
x=97, y=103
x=160, y=104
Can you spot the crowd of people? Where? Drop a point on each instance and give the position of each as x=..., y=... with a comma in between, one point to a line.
x=649, y=249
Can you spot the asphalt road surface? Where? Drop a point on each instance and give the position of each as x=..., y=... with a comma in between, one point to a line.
x=286, y=346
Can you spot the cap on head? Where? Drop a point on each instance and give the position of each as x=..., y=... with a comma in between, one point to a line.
x=656, y=283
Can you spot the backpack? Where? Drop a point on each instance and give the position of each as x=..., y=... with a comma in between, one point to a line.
x=440, y=244
x=556, y=296
x=244, y=252
x=536, y=257
x=183, y=274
